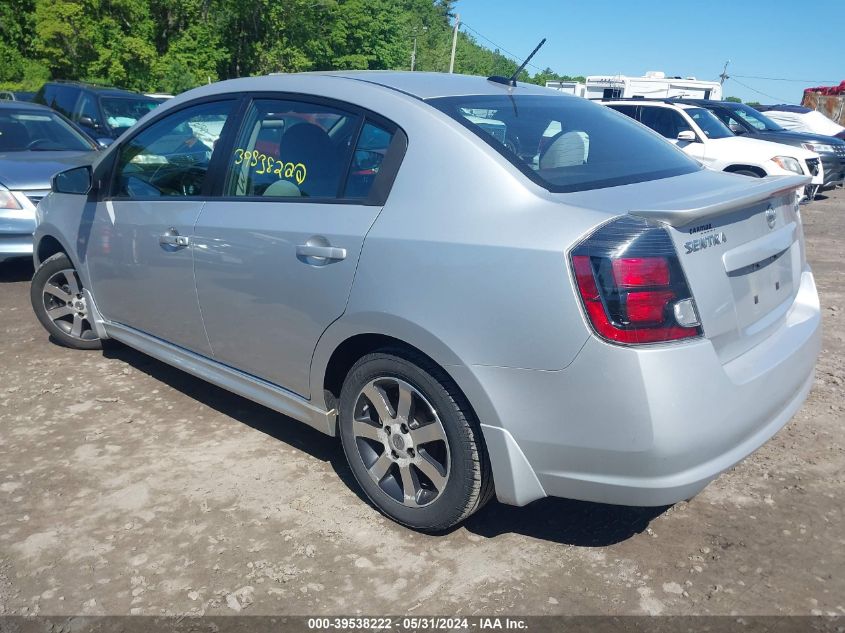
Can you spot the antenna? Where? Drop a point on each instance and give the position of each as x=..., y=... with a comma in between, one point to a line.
x=511, y=81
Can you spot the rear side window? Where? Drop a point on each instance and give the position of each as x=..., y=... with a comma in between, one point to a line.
x=567, y=143
x=171, y=156
x=291, y=149
x=64, y=100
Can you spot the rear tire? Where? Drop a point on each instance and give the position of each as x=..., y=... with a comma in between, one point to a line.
x=59, y=303
x=412, y=441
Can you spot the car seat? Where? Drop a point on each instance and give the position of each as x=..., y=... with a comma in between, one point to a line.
x=566, y=150
x=310, y=145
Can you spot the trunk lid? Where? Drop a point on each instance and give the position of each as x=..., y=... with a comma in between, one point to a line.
x=740, y=243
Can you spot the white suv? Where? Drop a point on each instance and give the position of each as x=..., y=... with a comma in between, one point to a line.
x=704, y=137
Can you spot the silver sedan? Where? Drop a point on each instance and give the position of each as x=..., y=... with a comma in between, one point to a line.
x=481, y=288
x=35, y=143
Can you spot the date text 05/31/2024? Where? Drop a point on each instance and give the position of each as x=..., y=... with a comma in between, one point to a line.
x=417, y=624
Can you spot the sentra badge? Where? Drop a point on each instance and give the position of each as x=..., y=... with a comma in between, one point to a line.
x=706, y=241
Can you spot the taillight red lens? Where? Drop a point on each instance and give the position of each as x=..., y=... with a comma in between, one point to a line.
x=630, y=296
x=635, y=272
x=649, y=307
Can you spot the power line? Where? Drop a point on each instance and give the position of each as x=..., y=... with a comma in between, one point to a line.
x=802, y=81
x=759, y=92
x=500, y=48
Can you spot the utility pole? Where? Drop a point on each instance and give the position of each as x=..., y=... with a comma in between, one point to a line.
x=724, y=74
x=414, y=52
x=454, y=42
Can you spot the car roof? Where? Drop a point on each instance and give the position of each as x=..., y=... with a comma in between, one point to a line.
x=428, y=85
x=785, y=108
x=419, y=85
x=23, y=105
x=107, y=91
x=681, y=105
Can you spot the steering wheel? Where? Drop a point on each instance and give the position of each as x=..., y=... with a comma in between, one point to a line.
x=34, y=143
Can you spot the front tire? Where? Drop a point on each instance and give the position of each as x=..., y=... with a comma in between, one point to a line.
x=59, y=303
x=412, y=441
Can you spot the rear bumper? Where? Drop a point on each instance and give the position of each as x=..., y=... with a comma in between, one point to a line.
x=646, y=426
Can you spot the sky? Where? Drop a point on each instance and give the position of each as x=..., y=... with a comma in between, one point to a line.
x=767, y=42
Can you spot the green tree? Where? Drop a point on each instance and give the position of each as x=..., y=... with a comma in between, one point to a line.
x=173, y=45
x=733, y=99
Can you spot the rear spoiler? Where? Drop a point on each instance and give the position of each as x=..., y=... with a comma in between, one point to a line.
x=718, y=202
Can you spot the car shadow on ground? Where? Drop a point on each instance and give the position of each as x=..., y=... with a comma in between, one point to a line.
x=16, y=270
x=562, y=521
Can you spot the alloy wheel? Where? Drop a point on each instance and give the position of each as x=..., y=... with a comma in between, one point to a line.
x=401, y=441
x=65, y=305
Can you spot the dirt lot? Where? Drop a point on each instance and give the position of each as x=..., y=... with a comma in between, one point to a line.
x=127, y=486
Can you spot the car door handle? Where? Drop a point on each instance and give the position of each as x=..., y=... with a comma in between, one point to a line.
x=172, y=238
x=323, y=252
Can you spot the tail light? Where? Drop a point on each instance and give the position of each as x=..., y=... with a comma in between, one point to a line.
x=632, y=285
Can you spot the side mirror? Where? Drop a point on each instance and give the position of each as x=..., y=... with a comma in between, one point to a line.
x=77, y=181
x=104, y=141
x=737, y=129
x=688, y=136
x=88, y=122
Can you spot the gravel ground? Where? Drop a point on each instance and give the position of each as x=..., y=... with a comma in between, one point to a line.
x=127, y=486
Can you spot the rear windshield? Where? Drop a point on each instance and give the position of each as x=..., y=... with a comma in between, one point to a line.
x=567, y=143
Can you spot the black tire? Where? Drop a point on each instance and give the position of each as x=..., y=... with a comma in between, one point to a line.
x=53, y=271
x=469, y=484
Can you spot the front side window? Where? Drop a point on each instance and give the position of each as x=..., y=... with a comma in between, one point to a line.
x=760, y=121
x=665, y=121
x=709, y=124
x=565, y=143
x=291, y=149
x=171, y=156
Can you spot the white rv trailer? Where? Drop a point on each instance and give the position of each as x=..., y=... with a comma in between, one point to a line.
x=569, y=87
x=652, y=85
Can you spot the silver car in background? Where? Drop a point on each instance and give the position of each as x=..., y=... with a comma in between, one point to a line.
x=481, y=288
x=35, y=143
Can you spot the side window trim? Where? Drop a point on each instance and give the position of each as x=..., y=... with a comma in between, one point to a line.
x=350, y=156
x=110, y=192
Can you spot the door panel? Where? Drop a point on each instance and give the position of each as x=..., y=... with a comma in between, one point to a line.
x=265, y=306
x=140, y=282
x=275, y=258
x=141, y=255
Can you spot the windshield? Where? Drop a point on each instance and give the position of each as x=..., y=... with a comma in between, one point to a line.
x=565, y=143
x=124, y=112
x=755, y=119
x=38, y=130
x=709, y=124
